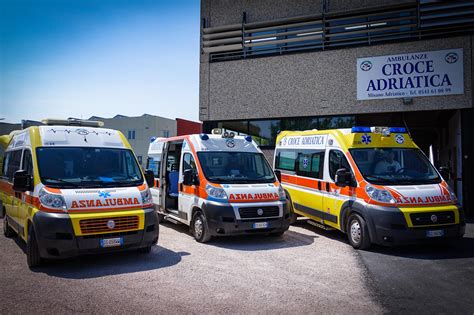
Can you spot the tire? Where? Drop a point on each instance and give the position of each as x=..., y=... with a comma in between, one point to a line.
x=32, y=250
x=199, y=228
x=358, y=232
x=7, y=229
x=293, y=215
x=145, y=250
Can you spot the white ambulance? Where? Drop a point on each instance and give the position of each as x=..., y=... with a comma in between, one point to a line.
x=218, y=184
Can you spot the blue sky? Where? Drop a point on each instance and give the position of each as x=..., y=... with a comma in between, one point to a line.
x=78, y=58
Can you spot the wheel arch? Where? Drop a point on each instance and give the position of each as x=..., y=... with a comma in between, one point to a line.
x=350, y=207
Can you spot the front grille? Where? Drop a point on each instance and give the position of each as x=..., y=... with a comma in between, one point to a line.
x=252, y=212
x=432, y=218
x=90, y=226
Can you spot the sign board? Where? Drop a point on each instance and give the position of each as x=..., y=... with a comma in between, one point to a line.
x=411, y=75
x=314, y=141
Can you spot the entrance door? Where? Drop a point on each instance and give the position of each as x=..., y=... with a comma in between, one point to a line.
x=187, y=193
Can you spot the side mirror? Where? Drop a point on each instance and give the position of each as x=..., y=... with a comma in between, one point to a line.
x=190, y=178
x=343, y=178
x=278, y=175
x=444, y=171
x=150, y=178
x=22, y=181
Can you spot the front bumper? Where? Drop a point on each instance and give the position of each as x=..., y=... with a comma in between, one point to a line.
x=221, y=220
x=56, y=238
x=387, y=226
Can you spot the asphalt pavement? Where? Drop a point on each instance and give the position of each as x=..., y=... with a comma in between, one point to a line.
x=308, y=270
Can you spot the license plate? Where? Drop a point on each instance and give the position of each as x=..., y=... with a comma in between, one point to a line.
x=111, y=242
x=435, y=233
x=260, y=225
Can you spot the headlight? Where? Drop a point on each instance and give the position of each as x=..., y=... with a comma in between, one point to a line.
x=381, y=195
x=281, y=193
x=452, y=194
x=146, y=197
x=52, y=200
x=216, y=192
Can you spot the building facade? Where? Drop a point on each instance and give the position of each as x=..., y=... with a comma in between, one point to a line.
x=139, y=130
x=271, y=65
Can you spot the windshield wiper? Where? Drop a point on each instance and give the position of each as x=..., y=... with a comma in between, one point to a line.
x=60, y=180
x=378, y=178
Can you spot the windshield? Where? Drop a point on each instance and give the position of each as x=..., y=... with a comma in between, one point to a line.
x=88, y=167
x=236, y=167
x=395, y=166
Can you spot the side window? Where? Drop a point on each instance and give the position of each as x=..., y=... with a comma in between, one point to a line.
x=310, y=164
x=189, y=163
x=337, y=160
x=27, y=164
x=6, y=158
x=286, y=160
x=154, y=165
x=13, y=164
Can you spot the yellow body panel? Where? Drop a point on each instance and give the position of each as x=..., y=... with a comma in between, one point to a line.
x=77, y=217
x=407, y=211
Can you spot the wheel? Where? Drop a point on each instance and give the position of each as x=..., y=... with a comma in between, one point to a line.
x=293, y=215
x=199, y=228
x=145, y=250
x=32, y=251
x=7, y=229
x=358, y=232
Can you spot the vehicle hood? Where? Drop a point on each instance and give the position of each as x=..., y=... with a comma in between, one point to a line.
x=102, y=199
x=251, y=192
x=422, y=194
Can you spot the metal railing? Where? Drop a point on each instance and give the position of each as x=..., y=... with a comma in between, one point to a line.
x=412, y=21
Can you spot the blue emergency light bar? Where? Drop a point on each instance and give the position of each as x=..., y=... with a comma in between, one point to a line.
x=204, y=136
x=398, y=129
x=358, y=129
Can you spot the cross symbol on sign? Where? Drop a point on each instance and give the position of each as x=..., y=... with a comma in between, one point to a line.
x=104, y=194
x=366, y=139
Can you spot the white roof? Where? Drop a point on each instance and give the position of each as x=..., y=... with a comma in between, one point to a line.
x=79, y=136
x=213, y=143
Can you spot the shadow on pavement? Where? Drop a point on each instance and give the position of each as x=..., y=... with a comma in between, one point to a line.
x=251, y=242
x=462, y=248
x=94, y=266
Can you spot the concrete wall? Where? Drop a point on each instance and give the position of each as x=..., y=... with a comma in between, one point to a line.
x=146, y=127
x=306, y=84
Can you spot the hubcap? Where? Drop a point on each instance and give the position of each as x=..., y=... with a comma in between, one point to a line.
x=198, y=227
x=355, y=231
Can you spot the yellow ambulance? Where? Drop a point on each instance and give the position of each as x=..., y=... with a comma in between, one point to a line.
x=372, y=183
x=69, y=187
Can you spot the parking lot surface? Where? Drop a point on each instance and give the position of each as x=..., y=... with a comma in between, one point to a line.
x=305, y=271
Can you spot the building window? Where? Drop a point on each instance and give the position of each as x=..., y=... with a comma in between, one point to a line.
x=264, y=132
x=166, y=133
x=131, y=135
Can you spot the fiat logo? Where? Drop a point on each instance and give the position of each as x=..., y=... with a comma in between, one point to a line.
x=260, y=211
x=111, y=224
x=434, y=218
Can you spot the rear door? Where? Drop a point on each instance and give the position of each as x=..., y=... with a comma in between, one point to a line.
x=154, y=163
x=13, y=201
x=302, y=173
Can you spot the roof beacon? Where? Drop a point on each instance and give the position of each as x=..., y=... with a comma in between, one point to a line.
x=72, y=122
